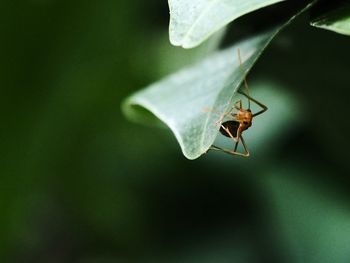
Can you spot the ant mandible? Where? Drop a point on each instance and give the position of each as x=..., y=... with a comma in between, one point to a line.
x=240, y=121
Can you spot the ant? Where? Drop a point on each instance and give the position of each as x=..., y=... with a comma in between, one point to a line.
x=240, y=121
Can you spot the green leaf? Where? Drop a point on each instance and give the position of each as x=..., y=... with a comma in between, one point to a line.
x=193, y=21
x=192, y=100
x=337, y=20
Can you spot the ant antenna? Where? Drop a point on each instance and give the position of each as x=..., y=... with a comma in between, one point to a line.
x=245, y=79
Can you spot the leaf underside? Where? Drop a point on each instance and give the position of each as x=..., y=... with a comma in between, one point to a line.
x=192, y=22
x=191, y=101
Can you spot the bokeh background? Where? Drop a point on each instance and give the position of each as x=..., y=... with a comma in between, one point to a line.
x=80, y=183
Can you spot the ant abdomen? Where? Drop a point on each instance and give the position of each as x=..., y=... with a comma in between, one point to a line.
x=232, y=126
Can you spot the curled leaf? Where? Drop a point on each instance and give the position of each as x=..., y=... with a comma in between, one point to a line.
x=192, y=22
x=193, y=99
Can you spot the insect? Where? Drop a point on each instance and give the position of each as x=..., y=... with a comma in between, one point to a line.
x=240, y=119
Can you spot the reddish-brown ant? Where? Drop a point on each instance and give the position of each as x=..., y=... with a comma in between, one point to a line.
x=239, y=121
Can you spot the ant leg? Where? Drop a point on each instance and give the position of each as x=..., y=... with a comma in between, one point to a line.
x=236, y=144
x=236, y=140
x=218, y=122
x=216, y=148
x=264, y=108
x=206, y=110
x=245, y=147
x=230, y=134
x=235, y=106
x=213, y=147
x=234, y=152
x=238, y=107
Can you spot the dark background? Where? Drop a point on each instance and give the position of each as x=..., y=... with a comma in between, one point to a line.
x=79, y=183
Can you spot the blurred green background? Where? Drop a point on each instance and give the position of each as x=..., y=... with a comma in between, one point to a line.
x=79, y=183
